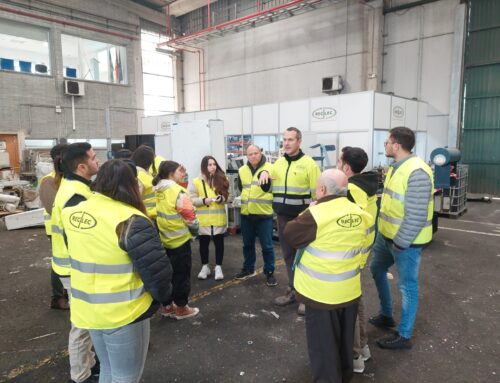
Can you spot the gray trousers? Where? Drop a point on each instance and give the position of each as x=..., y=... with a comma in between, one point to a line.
x=287, y=251
x=360, y=336
x=81, y=356
x=330, y=335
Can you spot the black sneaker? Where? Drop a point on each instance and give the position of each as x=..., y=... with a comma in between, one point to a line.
x=270, y=280
x=382, y=321
x=395, y=342
x=245, y=274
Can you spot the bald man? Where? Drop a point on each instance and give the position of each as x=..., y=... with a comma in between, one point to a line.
x=331, y=236
x=256, y=215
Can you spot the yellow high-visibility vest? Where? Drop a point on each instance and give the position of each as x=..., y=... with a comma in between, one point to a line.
x=60, y=255
x=106, y=291
x=328, y=271
x=368, y=204
x=294, y=183
x=392, y=206
x=157, y=162
x=253, y=199
x=213, y=215
x=148, y=194
x=46, y=216
x=173, y=230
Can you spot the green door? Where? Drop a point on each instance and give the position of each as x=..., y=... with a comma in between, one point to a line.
x=480, y=136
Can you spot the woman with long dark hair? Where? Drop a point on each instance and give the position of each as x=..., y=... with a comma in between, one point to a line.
x=177, y=222
x=209, y=192
x=120, y=272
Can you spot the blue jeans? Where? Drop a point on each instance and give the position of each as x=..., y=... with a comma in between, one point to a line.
x=122, y=352
x=407, y=265
x=262, y=228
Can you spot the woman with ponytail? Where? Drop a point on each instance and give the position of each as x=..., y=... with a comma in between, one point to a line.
x=209, y=192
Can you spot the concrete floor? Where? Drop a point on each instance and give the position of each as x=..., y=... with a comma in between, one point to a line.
x=236, y=339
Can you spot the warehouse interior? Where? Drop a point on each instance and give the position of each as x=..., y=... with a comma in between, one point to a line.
x=210, y=77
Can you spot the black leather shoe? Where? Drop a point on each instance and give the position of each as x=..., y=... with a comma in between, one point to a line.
x=382, y=321
x=395, y=342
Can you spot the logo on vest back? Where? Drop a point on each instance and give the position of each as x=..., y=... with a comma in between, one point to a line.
x=82, y=220
x=349, y=220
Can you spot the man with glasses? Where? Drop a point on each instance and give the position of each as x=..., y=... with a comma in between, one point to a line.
x=404, y=227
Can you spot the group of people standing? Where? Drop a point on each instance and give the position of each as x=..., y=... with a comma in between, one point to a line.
x=121, y=246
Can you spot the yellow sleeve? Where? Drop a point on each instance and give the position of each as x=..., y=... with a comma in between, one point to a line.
x=313, y=178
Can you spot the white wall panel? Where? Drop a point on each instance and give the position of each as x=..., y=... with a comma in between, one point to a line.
x=400, y=69
x=324, y=114
x=294, y=113
x=411, y=115
x=382, y=118
x=186, y=117
x=206, y=115
x=422, y=116
x=437, y=133
x=247, y=120
x=356, y=112
x=265, y=119
x=398, y=112
x=436, y=69
x=360, y=140
x=233, y=123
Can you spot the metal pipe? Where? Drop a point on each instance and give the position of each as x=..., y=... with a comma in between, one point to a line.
x=407, y=6
x=66, y=23
x=209, y=21
x=228, y=23
x=73, y=112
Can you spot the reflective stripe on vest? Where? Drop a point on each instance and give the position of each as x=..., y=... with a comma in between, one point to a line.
x=103, y=278
x=173, y=230
x=333, y=254
x=328, y=271
x=168, y=216
x=295, y=178
x=392, y=207
x=398, y=221
x=60, y=255
x=90, y=267
x=293, y=202
x=106, y=298
x=148, y=194
x=253, y=199
x=329, y=277
x=213, y=215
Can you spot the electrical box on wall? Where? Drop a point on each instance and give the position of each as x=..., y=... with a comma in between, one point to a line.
x=74, y=88
x=332, y=85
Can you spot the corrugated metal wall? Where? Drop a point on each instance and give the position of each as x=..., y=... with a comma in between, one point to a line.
x=480, y=138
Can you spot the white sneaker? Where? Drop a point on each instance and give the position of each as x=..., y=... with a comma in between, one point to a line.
x=365, y=353
x=218, y=273
x=358, y=365
x=204, y=273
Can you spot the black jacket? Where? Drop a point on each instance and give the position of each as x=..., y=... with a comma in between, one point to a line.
x=139, y=238
x=368, y=182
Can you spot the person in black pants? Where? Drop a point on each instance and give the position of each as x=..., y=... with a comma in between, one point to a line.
x=209, y=192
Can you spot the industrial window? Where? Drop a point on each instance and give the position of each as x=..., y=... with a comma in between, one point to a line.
x=94, y=60
x=24, y=48
x=35, y=143
x=158, y=80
